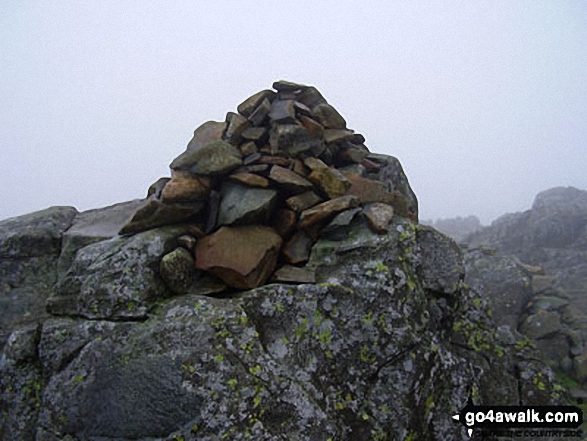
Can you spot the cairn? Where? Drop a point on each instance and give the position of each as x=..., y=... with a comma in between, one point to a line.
x=259, y=189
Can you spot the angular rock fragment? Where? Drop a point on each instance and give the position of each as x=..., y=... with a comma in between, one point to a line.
x=248, y=148
x=243, y=257
x=351, y=154
x=283, y=112
x=325, y=210
x=205, y=134
x=328, y=116
x=367, y=190
x=339, y=226
x=215, y=158
x=332, y=182
x=245, y=205
x=155, y=214
x=185, y=187
x=301, y=202
x=208, y=132
x=289, y=180
x=257, y=134
x=287, y=86
x=290, y=138
x=260, y=113
x=311, y=97
x=249, y=179
x=237, y=124
x=378, y=216
x=248, y=106
x=314, y=163
x=340, y=135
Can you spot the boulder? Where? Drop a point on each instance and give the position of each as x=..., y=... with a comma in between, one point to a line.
x=296, y=357
x=35, y=234
x=506, y=285
x=541, y=325
x=93, y=226
x=178, y=270
x=116, y=279
x=29, y=251
x=243, y=257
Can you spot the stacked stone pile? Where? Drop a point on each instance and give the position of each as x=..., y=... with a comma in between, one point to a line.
x=260, y=188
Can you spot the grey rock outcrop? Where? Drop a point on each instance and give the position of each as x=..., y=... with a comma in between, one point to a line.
x=387, y=343
x=533, y=266
x=29, y=250
x=376, y=336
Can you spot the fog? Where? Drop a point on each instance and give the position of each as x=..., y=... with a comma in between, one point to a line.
x=484, y=103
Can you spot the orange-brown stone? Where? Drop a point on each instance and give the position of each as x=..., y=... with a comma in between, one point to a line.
x=325, y=210
x=249, y=179
x=243, y=257
x=367, y=190
x=185, y=187
x=330, y=181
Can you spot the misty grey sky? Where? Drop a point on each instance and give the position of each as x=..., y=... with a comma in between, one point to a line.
x=483, y=102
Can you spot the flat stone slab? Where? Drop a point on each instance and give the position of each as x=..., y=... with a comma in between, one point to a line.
x=243, y=257
x=325, y=210
x=294, y=274
x=240, y=204
x=249, y=179
x=289, y=180
x=186, y=187
x=215, y=158
x=301, y=202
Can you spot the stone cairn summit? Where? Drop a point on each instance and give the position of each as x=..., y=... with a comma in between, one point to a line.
x=259, y=189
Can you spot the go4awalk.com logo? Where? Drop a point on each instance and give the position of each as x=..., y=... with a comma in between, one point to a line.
x=521, y=421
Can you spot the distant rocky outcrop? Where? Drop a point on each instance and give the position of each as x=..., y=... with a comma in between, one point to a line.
x=533, y=266
x=456, y=227
x=343, y=319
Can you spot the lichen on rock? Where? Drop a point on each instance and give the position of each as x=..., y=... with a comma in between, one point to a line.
x=330, y=331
